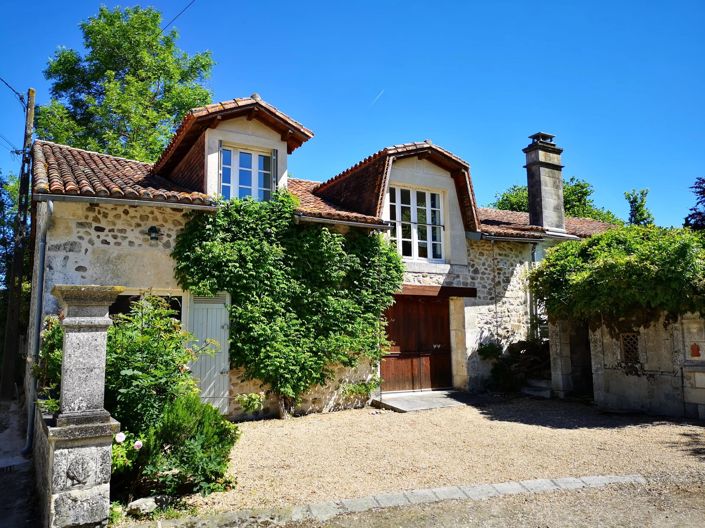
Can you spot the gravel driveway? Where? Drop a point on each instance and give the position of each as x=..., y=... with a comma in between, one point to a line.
x=357, y=453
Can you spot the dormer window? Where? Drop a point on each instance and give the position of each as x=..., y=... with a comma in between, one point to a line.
x=245, y=173
x=417, y=217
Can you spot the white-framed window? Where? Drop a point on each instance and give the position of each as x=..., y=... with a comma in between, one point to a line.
x=417, y=217
x=245, y=173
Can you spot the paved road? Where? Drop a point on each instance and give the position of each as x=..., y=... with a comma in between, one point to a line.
x=652, y=505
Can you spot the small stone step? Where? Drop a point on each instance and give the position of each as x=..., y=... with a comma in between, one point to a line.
x=538, y=383
x=536, y=392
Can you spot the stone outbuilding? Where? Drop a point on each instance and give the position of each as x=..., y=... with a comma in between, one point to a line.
x=658, y=369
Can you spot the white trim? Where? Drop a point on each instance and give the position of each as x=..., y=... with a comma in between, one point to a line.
x=413, y=205
x=234, y=185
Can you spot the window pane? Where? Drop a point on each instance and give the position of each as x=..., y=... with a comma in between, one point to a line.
x=226, y=175
x=264, y=163
x=406, y=248
x=436, y=234
x=245, y=160
x=423, y=233
x=392, y=195
x=437, y=251
x=245, y=192
x=245, y=178
x=393, y=212
x=264, y=195
x=423, y=250
x=435, y=217
x=225, y=191
x=406, y=214
x=421, y=215
x=420, y=199
x=265, y=180
x=405, y=196
x=227, y=157
x=435, y=201
x=406, y=231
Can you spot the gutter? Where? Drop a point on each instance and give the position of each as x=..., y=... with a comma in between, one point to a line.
x=300, y=217
x=37, y=327
x=40, y=197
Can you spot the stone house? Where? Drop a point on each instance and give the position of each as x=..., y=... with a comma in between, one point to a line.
x=104, y=220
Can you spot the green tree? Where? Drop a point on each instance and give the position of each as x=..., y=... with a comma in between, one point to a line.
x=639, y=214
x=696, y=216
x=129, y=90
x=303, y=297
x=577, y=200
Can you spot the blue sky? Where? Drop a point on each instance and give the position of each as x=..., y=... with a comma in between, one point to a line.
x=621, y=84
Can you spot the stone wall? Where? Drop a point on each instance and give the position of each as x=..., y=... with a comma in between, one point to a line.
x=501, y=310
x=109, y=244
x=331, y=397
x=669, y=378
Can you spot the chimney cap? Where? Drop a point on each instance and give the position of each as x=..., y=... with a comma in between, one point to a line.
x=541, y=136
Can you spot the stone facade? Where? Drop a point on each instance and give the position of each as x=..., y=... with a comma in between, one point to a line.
x=662, y=371
x=330, y=397
x=501, y=310
x=110, y=244
x=668, y=378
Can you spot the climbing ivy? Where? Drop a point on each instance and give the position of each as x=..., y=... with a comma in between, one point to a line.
x=303, y=297
x=624, y=278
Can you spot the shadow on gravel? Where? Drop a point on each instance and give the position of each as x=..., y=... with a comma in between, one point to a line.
x=694, y=444
x=562, y=414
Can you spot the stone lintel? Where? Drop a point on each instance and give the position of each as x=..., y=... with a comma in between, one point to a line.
x=86, y=300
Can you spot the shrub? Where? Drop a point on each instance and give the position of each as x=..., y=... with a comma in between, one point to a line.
x=170, y=441
x=47, y=370
x=147, y=363
x=188, y=450
x=522, y=360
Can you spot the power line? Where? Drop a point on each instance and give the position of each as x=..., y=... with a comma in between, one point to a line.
x=178, y=15
x=8, y=142
x=18, y=94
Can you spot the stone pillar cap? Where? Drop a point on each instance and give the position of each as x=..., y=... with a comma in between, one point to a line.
x=89, y=294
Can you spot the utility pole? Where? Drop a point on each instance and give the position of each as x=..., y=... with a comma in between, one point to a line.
x=16, y=272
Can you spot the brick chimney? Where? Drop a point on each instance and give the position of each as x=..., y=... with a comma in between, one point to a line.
x=545, y=183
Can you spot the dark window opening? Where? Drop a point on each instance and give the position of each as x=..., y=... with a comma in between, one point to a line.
x=630, y=348
x=124, y=302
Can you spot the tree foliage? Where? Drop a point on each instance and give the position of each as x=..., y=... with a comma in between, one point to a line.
x=639, y=214
x=696, y=217
x=577, y=200
x=129, y=90
x=303, y=297
x=625, y=278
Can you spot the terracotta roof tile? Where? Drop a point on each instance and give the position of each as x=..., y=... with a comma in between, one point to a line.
x=60, y=169
x=316, y=206
x=498, y=222
x=200, y=118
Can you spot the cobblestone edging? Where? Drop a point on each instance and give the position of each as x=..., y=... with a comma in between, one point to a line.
x=323, y=511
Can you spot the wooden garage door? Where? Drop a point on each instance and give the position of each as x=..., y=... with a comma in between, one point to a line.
x=419, y=328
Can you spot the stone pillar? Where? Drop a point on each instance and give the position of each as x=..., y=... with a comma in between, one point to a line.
x=561, y=368
x=73, y=455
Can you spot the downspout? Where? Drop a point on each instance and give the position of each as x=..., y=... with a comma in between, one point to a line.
x=37, y=328
x=533, y=317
